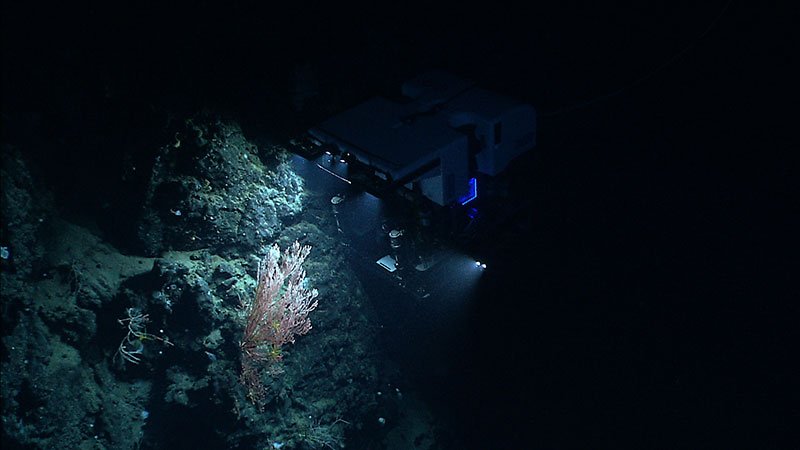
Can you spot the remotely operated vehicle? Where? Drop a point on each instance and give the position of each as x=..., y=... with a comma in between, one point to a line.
x=428, y=157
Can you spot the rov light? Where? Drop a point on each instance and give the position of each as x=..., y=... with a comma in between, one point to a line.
x=480, y=265
x=331, y=150
x=472, y=194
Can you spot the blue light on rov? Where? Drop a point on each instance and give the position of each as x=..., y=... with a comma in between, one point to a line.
x=473, y=192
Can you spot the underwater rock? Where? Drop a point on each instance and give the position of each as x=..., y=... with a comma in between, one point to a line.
x=210, y=189
x=62, y=329
x=25, y=206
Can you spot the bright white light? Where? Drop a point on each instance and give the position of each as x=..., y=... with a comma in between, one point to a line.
x=463, y=274
x=483, y=266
